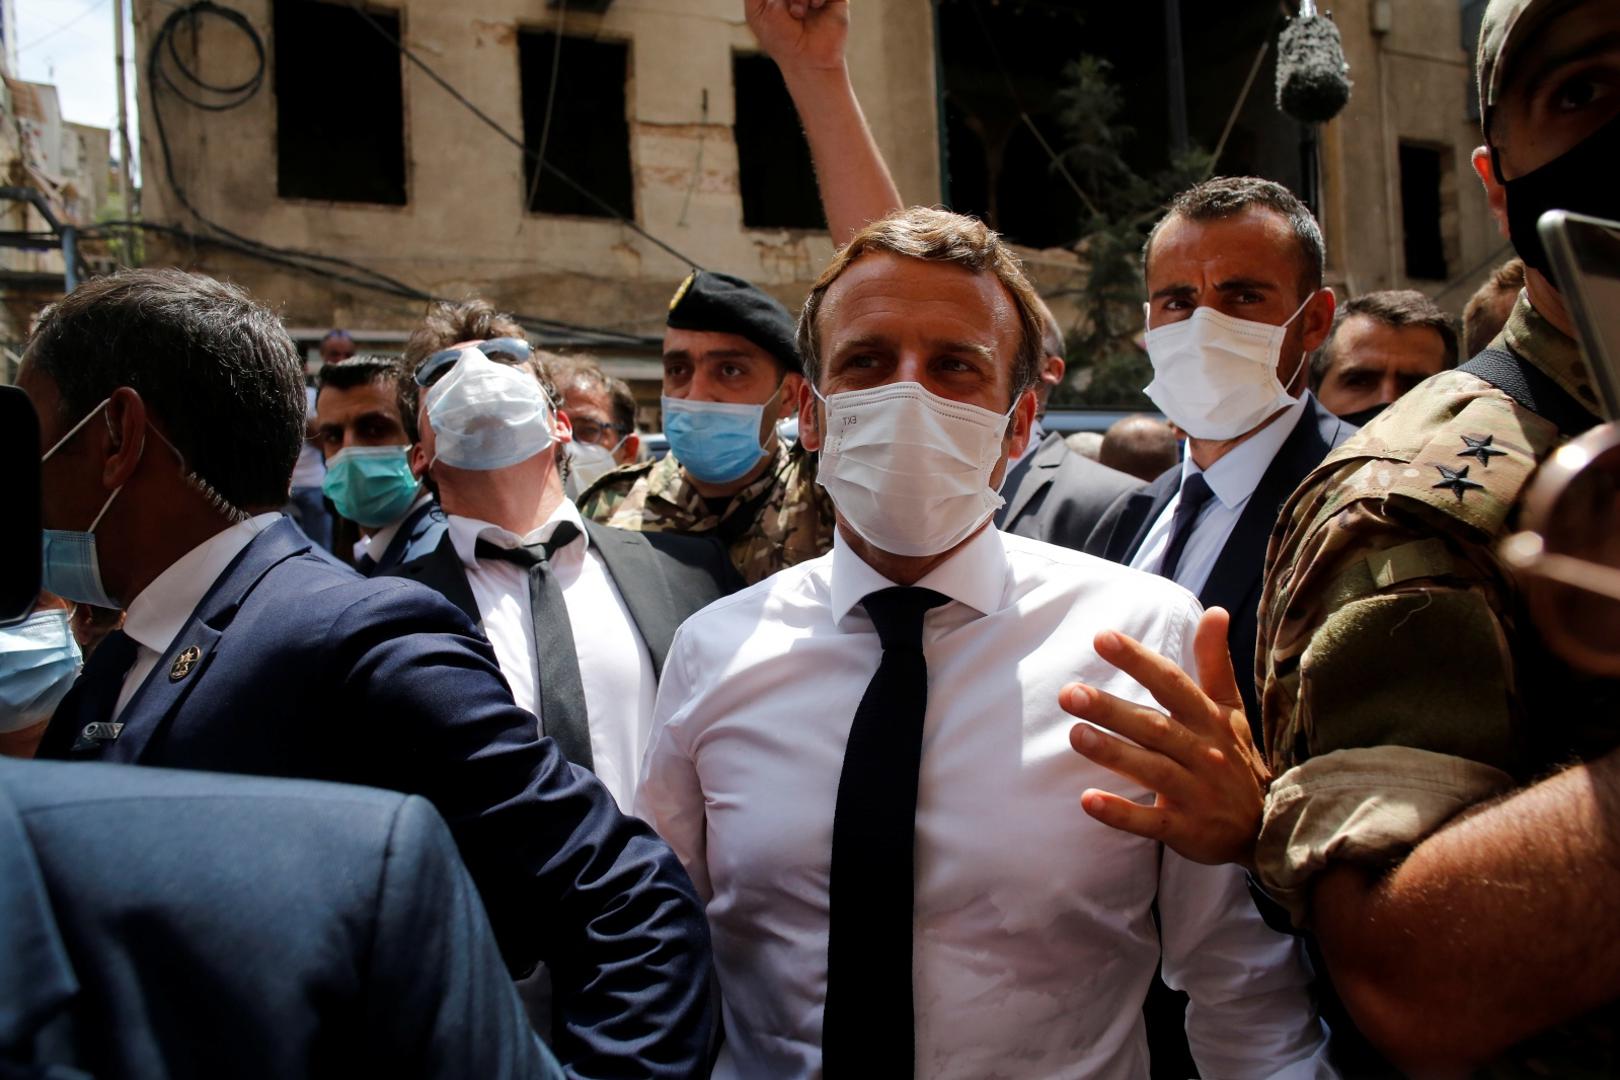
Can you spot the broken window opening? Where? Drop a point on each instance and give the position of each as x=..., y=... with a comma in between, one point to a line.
x=775, y=173
x=588, y=134
x=340, y=105
x=1422, y=169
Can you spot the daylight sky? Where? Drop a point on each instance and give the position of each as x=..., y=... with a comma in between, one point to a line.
x=70, y=43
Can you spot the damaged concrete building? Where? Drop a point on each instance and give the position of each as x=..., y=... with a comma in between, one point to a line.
x=658, y=113
x=368, y=133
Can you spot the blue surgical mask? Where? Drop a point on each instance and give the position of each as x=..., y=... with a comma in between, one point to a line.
x=716, y=441
x=69, y=565
x=372, y=486
x=39, y=659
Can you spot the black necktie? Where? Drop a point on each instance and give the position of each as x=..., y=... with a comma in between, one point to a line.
x=92, y=698
x=868, y=1027
x=1195, y=493
x=562, y=694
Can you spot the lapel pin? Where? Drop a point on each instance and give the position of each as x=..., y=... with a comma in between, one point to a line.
x=184, y=663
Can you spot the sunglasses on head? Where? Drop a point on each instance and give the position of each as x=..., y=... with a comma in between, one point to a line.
x=503, y=350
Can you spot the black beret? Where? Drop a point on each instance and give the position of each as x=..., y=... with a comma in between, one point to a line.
x=723, y=304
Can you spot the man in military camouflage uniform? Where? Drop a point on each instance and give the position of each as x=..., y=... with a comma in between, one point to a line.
x=730, y=359
x=1463, y=898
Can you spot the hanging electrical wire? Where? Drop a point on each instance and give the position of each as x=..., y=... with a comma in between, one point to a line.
x=494, y=125
x=561, y=330
x=177, y=77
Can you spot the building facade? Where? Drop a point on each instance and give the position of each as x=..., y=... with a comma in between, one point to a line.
x=672, y=143
x=405, y=180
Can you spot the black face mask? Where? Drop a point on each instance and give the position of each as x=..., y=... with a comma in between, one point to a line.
x=1581, y=181
x=1363, y=417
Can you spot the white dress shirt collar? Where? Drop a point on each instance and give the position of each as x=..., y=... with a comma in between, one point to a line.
x=1235, y=476
x=974, y=575
x=465, y=532
x=163, y=607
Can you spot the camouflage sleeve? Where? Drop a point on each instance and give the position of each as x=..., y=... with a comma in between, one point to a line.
x=1385, y=661
x=602, y=499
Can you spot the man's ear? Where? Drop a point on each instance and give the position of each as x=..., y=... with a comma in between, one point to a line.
x=1052, y=369
x=1317, y=319
x=1023, y=421
x=629, y=450
x=126, y=436
x=792, y=387
x=418, y=460
x=1495, y=193
x=809, y=417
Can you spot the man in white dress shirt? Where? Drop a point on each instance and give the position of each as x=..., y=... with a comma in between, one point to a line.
x=863, y=764
x=490, y=436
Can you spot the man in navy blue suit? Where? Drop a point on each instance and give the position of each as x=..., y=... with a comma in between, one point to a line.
x=170, y=416
x=283, y=928
x=365, y=425
x=1236, y=305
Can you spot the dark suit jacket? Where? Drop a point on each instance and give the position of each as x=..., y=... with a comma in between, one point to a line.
x=309, y=670
x=1058, y=496
x=158, y=924
x=1239, y=572
x=664, y=578
x=418, y=534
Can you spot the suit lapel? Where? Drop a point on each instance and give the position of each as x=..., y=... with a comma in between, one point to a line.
x=640, y=580
x=1239, y=568
x=441, y=570
x=186, y=661
x=1149, y=503
x=1032, y=477
x=409, y=530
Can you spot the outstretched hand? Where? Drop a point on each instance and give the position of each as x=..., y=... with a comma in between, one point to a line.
x=800, y=34
x=1200, y=761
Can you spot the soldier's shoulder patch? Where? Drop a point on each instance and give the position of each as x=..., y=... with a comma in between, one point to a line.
x=1402, y=431
x=1474, y=466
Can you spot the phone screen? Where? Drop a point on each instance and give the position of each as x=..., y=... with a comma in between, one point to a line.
x=1586, y=261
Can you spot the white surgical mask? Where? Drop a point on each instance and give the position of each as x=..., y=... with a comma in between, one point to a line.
x=487, y=415
x=587, y=463
x=909, y=470
x=1215, y=376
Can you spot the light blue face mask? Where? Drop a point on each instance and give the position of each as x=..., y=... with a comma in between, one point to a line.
x=39, y=659
x=372, y=486
x=69, y=566
x=716, y=441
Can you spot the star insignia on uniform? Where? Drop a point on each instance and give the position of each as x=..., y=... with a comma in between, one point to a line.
x=1481, y=449
x=1457, y=480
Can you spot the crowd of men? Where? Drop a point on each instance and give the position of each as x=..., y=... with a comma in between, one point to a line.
x=917, y=743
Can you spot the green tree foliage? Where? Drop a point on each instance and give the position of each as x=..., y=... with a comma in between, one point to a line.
x=1107, y=367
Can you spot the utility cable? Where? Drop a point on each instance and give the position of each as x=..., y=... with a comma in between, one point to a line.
x=494, y=125
x=551, y=101
x=53, y=31
x=230, y=96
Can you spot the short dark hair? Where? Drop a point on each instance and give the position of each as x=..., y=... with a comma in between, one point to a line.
x=1488, y=309
x=219, y=375
x=369, y=368
x=934, y=235
x=1229, y=196
x=1397, y=308
x=624, y=405
x=576, y=369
